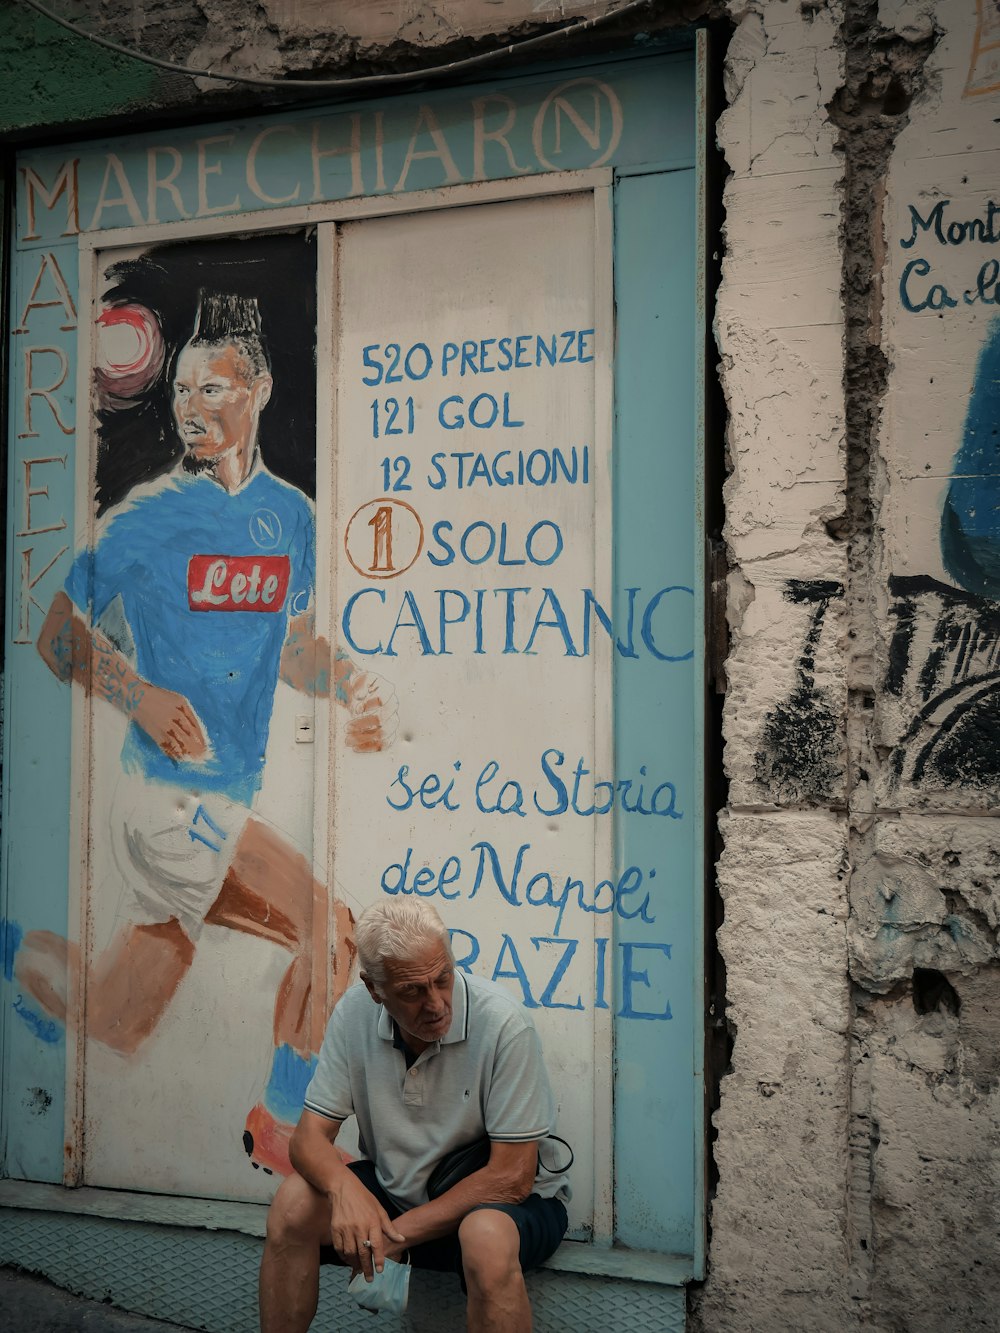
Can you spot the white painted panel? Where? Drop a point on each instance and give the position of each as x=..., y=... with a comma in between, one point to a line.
x=474, y=705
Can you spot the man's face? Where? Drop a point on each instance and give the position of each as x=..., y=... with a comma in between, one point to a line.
x=417, y=992
x=216, y=409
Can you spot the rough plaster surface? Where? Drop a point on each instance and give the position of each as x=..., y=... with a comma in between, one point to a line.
x=340, y=38
x=294, y=34
x=925, y=935
x=859, y=676
x=935, y=1162
x=322, y=42
x=779, y=1255
x=375, y=22
x=925, y=906
x=778, y=327
x=927, y=896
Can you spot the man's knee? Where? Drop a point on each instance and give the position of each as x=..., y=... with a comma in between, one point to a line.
x=491, y=1246
x=298, y=1214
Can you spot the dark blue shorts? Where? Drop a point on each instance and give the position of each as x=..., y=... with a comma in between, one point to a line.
x=541, y=1224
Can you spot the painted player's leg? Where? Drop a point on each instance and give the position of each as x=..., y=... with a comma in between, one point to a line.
x=129, y=986
x=270, y=892
x=44, y=966
x=298, y=1222
x=133, y=981
x=498, y=1299
x=169, y=854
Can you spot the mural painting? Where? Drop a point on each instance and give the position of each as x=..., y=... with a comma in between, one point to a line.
x=944, y=658
x=943, y=672
x=956, y=678
x=196, y=596
x=941, y=676
x=492, y=406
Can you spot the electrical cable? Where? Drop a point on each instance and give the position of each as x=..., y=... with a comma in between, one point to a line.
x=360, y=81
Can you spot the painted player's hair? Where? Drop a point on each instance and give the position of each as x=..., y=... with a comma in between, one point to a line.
x=224, y=318
x=393, y=931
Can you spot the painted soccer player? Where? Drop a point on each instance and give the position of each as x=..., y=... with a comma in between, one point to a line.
x=213, y=565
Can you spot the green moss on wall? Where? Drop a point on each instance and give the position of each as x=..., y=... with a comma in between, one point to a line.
x=51, y=78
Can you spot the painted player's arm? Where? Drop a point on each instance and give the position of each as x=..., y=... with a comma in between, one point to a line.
x=309, y=664
x=359, y=1226
x=74, y=651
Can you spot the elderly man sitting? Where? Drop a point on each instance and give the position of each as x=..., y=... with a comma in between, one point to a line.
x=439, y=1061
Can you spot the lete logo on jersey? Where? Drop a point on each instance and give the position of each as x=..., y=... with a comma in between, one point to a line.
x=237, y=582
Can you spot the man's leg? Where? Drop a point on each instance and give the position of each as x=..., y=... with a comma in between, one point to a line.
x=498, y=1299
x=270, y=892
x=298, y=1222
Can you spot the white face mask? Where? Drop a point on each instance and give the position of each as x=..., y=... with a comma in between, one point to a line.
x=388, y=1290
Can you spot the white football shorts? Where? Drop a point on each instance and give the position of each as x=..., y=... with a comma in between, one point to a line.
x=173, y=848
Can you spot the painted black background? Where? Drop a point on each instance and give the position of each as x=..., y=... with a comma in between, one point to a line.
x=138, y=442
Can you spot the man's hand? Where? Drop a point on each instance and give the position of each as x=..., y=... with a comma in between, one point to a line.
x=169, y=720
x=360, y=1227
x=374, y=712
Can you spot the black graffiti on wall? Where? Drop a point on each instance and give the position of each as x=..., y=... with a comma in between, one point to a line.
x=945, y=654
x=943, y=669
x=800, y=753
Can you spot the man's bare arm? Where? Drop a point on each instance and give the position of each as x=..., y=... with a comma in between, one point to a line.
x=73, y=651
x=356, y=1216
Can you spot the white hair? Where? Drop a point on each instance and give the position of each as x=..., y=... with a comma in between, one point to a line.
x=393, y=930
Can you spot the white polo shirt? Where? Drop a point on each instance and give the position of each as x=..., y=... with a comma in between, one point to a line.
x=485, y=1076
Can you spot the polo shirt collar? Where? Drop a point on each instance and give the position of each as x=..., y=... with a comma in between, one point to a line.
x=457, y=1031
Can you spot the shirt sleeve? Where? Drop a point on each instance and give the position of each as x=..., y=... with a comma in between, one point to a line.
x=520, y=1107
x=99, y=573
x=329, y=1090
x=78, y=580
x=303, y=573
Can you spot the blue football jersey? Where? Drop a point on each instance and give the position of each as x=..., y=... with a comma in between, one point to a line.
x=207, y=582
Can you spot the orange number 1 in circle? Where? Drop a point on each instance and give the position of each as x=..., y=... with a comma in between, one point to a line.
x=382, y=555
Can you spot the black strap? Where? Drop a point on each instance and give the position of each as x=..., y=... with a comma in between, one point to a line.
x=556, y=1170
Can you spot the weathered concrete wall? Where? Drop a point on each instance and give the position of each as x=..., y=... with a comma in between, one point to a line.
x=927, y=898
x=779, y=1253
x=859, y=1119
